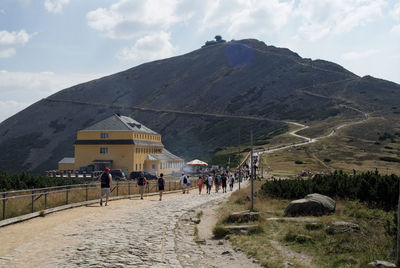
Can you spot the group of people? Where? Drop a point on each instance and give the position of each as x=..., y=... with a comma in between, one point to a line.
x=221, y=179
x=218, y=179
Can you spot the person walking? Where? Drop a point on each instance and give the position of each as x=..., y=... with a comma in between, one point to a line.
x=216, y=182
x=184, y=182
x=141, y=182
x=187, y=184
x=105, y=183
x=200, y=184
x=209, y=184
x=223, y=182
x=161, y=184
x=231, y=182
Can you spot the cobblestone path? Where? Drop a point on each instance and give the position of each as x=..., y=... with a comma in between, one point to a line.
x=127, y=237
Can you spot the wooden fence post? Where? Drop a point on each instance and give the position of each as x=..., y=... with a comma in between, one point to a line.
x=117, y=188
x=45, y=200
x=66, y=196
x=87, y=191
x=33, y=199
x=129, y=188
x=4, y=205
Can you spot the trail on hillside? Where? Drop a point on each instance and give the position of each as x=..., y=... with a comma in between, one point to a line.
x=308, y=140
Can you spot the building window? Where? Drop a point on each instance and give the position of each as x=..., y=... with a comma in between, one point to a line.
x=153, y=166
x=136, y=167
x=103, y=150
x=104, y=135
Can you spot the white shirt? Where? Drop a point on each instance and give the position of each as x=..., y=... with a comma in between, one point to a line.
x=210, y=180
x=182, y=179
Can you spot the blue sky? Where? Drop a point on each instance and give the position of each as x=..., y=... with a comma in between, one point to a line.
x=48, y=45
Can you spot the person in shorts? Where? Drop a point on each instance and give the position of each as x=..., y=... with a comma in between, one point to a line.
x=223, y=182
x=141, y=182
x=161, y=184
x=200, y=184
x=106, y=183
x=184, y=182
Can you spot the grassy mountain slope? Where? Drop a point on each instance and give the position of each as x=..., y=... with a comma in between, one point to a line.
x=242, y=78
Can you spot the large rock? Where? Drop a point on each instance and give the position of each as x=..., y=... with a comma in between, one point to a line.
x=311, y=205
x=381, y=264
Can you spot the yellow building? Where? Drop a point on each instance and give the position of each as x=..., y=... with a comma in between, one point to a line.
x=119, y=142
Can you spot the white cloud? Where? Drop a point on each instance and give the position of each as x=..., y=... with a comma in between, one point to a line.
x=55, y=6
x=14, y=38
x=151, y=47
x=248, y=17
x=6, y=53
x=134, y=18
x=321, y=18
x=395, y=14
x=10, y=40
x=357, y=55
x=20, y=89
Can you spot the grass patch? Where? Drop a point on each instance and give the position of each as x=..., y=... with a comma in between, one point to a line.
x=220, y=232
x=375, y=240
x=199, y=214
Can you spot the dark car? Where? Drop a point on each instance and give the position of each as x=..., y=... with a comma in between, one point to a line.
x=135, y=174
x=117, y=174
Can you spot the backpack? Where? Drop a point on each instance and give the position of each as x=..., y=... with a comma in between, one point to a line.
x=105, y=180
x=141, y=181
x=185, y=180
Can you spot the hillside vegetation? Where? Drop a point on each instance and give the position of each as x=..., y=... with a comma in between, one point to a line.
x=196, y=101
x=315, y=242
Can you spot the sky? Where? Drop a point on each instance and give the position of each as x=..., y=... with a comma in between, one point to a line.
x=49, y=45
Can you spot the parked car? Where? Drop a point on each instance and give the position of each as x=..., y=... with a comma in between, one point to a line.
x=135, y=174
x=117, y=174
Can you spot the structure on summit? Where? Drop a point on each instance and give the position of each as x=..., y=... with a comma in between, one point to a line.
x=120, y=142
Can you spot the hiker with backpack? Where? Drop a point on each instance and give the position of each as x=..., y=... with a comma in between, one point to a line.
x=141, y=182
x=161, y=184
x=184, y=182
x=106, y=184
x=223, y=182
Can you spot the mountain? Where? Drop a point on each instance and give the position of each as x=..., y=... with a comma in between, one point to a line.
x=197, y=101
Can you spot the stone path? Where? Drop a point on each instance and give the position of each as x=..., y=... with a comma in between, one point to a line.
x=121, y=236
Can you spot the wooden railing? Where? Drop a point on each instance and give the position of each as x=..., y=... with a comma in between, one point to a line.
x=22, y=202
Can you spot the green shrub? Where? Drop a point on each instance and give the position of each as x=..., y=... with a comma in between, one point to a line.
x=25, y=180
x=220, y=231
x=303, y=239
x=290, y=237
x=371, y=187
